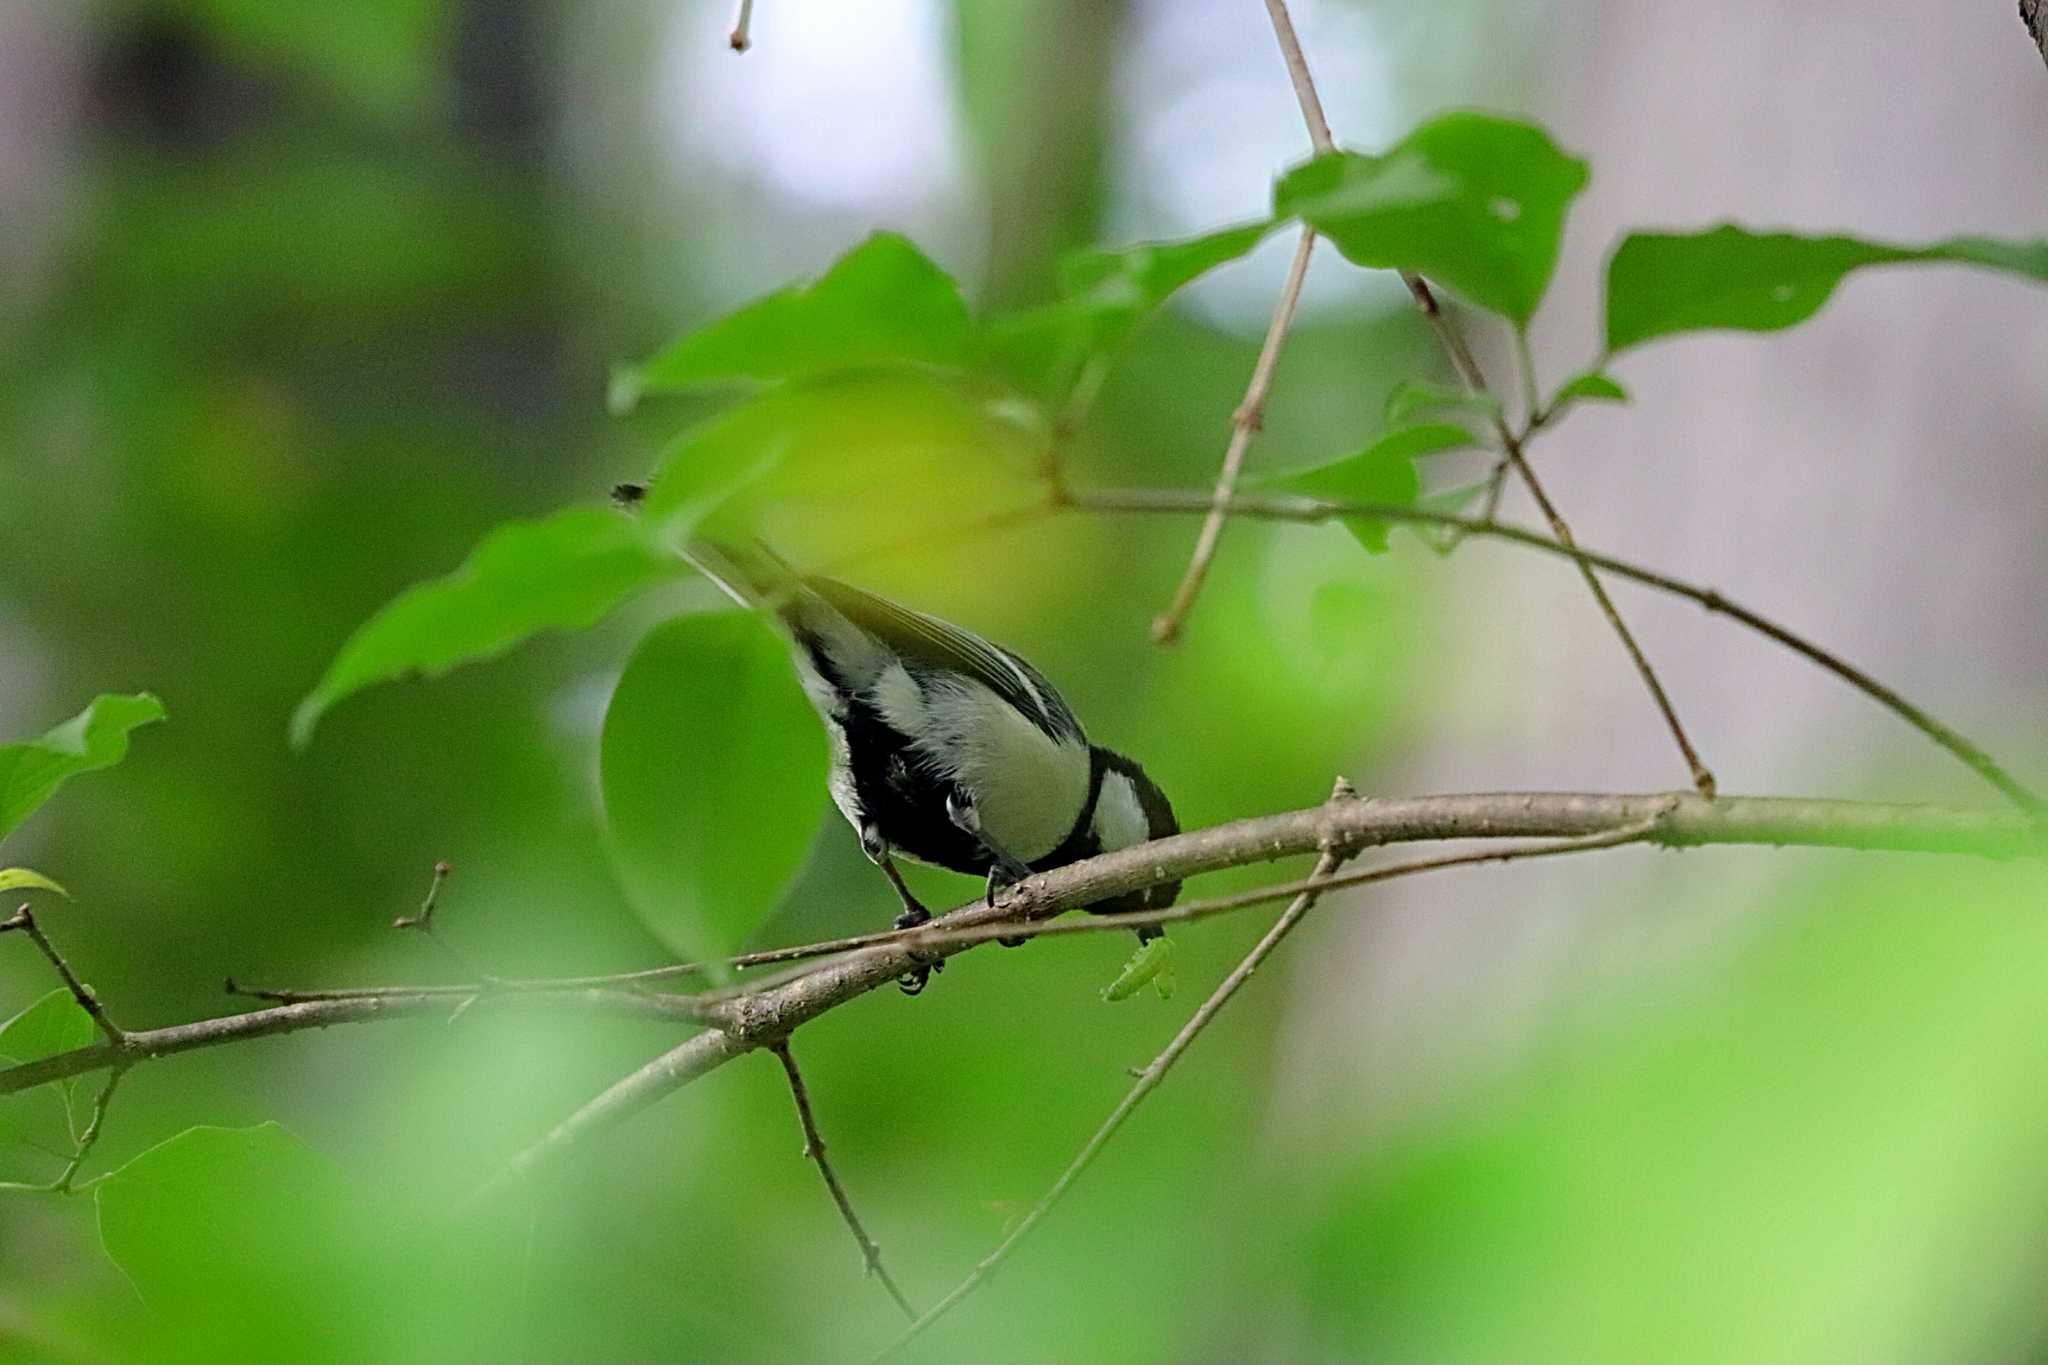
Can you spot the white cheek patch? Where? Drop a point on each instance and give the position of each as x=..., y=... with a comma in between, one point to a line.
x=1119, y=818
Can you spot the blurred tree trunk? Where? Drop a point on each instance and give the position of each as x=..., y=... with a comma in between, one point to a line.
x=1036, y=79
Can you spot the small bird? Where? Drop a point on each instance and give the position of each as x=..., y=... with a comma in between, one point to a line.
x=946, y=748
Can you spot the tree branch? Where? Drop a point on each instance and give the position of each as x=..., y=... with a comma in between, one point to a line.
x=1250, y=414
x=765, y=1015
x=397, y=1003
x=1467, y=366
x=1306, y=509
x=24, y=920
x=814, y=1148
x=1248, y=418
x=1148, y=1081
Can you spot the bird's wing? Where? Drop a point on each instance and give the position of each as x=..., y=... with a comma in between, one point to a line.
x=922, y=639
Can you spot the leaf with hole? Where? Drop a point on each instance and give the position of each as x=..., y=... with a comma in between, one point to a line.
x=97, y=737
x=713, y=771
x=1730, y=278
x=564, y=572
x=1472, y=200
x=882, y=303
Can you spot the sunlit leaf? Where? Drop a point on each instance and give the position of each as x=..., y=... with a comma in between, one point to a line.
x=1383, y=472
x=1106, y=293
x=1416, y=397
x=884, y=302
x=1590, y=387
x=96, y=737
x=1660, y=283
x=713, y=770
x=566, y=572
x=26, y=879
x=839, y=454
x=1152, y=963
x=1472, y=200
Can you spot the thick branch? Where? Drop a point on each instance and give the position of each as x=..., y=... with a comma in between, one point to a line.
x=764, y=1016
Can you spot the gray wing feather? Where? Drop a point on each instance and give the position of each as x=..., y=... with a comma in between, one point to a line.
x=927, y=640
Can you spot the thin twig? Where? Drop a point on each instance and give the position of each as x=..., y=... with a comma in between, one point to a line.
x=1702, y=778
x=1148, y=1081
x=24, y=919
x=814, y=1148
x=1303, y=509
x=1467, y=366
x=91, y=1135
x=741, y=38
x=1248, y=418
x=1250, y=414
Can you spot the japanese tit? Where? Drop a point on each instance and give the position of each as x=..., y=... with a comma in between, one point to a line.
x=946, y=748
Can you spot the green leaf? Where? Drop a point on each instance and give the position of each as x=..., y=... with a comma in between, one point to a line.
x=1153, y=963
x=884, y=302
x=1140, y=278
x=840, y=451
x=222, y=1230
x=1661, y=283
x=22, y=878
x=96, y=737
x=56, y=1023
x=1472, y=200
x=1593, y=386
x=1383, y=472
x=565, y=572
x=712, y=768
x=1106, y=294
x=1412, y=397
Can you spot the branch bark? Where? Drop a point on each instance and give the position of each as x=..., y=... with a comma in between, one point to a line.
x=763, y=1017
x=396, y=1003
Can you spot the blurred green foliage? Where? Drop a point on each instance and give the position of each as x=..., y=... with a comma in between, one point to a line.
x=334, y=300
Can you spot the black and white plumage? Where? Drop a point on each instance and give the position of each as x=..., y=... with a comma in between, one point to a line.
x=947, y=748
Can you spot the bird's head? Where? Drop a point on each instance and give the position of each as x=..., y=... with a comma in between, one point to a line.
x=1132, y=810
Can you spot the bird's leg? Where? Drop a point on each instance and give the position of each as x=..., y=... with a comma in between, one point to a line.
x=914, y=913
x=1003, y=869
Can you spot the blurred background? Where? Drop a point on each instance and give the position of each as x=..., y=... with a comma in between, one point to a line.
x=299, y=301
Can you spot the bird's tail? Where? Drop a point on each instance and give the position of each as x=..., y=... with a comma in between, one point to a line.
x=750, y=574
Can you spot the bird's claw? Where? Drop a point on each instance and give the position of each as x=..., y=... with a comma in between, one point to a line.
x=914, y=981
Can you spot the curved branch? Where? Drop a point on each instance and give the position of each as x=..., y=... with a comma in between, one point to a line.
x=1307, y=509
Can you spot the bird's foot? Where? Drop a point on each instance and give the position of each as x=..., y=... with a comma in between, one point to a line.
x=914, y=981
